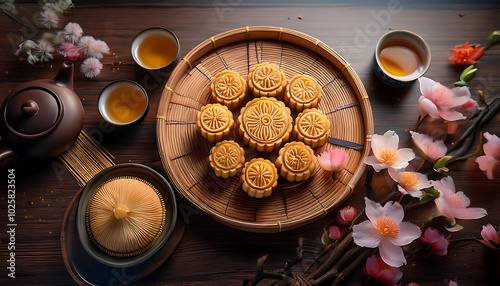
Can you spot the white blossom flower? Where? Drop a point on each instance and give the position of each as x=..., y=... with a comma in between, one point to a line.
x=91, y=67
x=73, y=32
x=49, y=18
x=387, y=154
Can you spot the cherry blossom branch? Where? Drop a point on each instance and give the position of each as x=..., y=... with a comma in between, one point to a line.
x=284, y=273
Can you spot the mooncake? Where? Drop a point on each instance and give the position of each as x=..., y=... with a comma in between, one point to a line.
x=266, y=80
x=296, y=161
x=259, y=178
x=215, y=122
x=229, y=88
x=302, y=92
x=227, y=158
x=312, y=127
x=264, y=124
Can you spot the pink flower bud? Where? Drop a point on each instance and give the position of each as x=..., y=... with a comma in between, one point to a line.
x=378, y=269
x=334, y=232
x=333, y=160
x=438, y=243
x=490, y=236
x=348, y=213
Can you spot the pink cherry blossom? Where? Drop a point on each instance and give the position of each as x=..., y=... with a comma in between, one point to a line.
x=452, y=283
x=385, y=274
x=69, y=51
x=431, y=149
x=455, y=205
x=410, y=182
x=440, y=102
x=386, y=230
x=348, y=213
x=491, y=158
x=333, y=160
x=490, y=236
x=437, y=241
x=387, y=154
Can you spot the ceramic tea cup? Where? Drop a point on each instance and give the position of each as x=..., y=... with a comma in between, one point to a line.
x=156, y=48
x=123, y=103
x=401, y=57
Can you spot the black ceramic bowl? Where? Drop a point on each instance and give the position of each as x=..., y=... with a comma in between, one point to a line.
x=133, y=170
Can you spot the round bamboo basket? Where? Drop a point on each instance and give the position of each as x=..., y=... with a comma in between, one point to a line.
x=184, y=152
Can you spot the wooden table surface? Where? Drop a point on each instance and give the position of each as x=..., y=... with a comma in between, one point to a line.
x=210, y=253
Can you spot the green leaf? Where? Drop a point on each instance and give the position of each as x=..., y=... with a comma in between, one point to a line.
x=469, y=75
x=325, y=238
x=441, y=163
x=430, y=193
x=460, y=83
x=465, y=71
x=452, y=225
x=494, y=37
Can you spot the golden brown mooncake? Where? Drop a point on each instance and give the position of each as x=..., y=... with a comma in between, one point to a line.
x=266, y=80
x=296, y=161
x=227, y=158
x=125, y=216
x=259, y=178
x=229, y=88
x=215, y=122
x=302, y=92
x=264, y=124
x=312, y=127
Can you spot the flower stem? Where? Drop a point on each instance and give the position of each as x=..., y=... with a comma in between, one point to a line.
x=463, y=239
x=420, y=120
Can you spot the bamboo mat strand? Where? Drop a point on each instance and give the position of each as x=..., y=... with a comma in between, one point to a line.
x=86, y=158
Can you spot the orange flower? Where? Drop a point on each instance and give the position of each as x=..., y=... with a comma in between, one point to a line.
x=466, y=54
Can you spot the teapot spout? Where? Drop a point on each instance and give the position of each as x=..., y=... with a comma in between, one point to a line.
x=65, y=75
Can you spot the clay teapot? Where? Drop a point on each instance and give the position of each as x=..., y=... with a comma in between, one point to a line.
x=41, y=118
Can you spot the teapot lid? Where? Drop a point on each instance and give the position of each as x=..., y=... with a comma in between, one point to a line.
x=33, y=111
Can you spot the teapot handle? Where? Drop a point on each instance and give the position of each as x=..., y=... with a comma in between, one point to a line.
x=5, y=153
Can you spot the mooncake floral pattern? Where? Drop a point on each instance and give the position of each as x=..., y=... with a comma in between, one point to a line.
x=229, y=85
x=265, y=121
x=302, y=92
x=214, y=118
x=297, y=158
x=312, y=127
x=228, y=88
x=215, y=122
x=266, y=80
x=296, y=161
x=260, y=177
x=227, y=158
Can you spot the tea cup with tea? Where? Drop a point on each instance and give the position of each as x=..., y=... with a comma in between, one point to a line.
x=123, y=103
x=156, y=48
x=401, y=57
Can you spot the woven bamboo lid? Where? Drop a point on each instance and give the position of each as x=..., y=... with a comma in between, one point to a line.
x=184, y=152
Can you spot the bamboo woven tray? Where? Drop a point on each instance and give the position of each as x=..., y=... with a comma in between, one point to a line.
x=184, y=152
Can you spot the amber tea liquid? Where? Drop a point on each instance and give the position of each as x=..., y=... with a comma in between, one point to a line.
x=125, y=104
x=157, y=51
x=401, y=59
